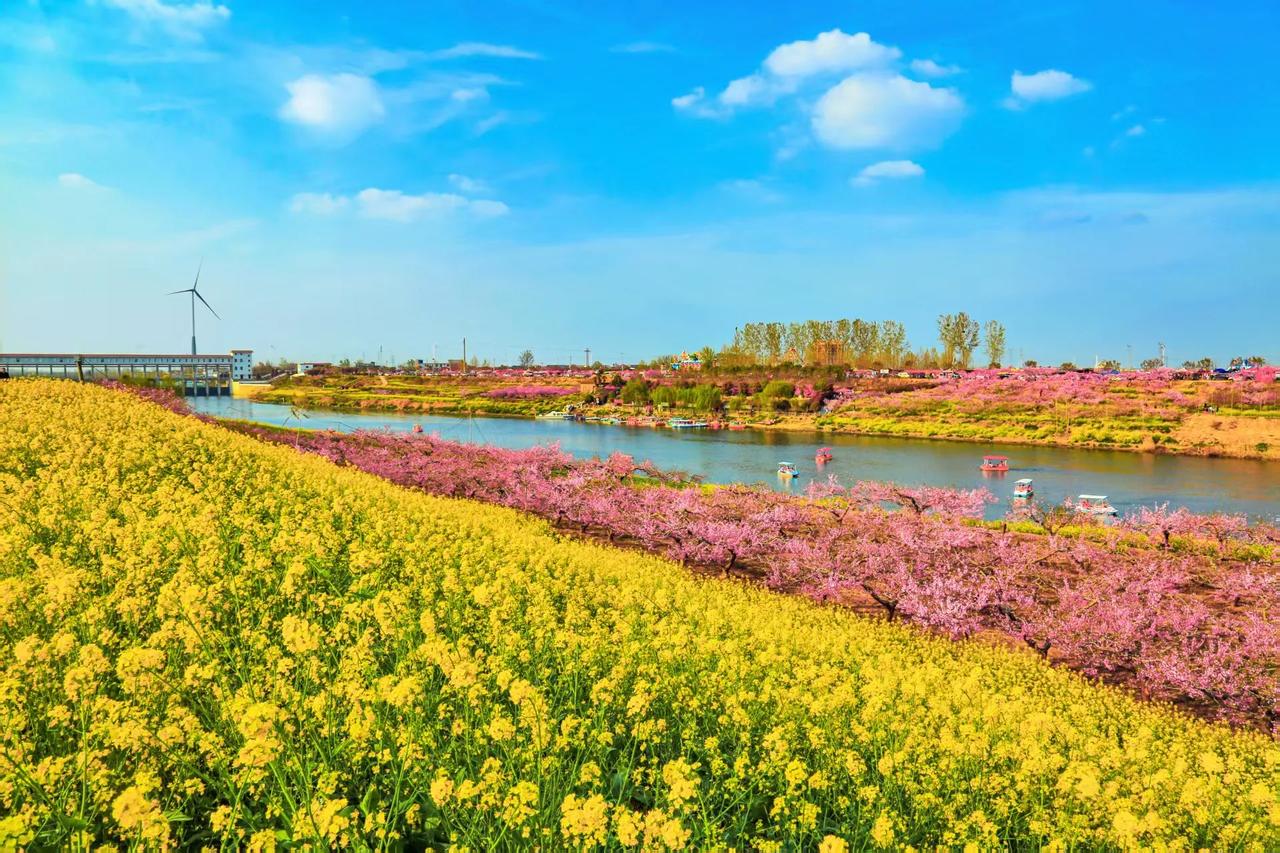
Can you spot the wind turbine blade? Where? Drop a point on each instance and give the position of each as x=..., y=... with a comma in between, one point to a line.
x=172, y=292
x=197, y=282
x=206, y=304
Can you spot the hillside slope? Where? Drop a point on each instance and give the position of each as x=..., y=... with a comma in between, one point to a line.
x=204, y=639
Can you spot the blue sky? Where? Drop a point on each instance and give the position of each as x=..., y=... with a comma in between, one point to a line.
x=637, y=178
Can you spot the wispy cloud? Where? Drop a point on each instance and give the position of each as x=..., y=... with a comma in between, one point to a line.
x=887, y=169
x=930, y=68
x=318, y=204
x=396, y=205
x=77, y=181
x=642, y=47
x=491, y=122
x=753, y=189
x=480, y=48
x=470, y=186
x=185, y=20
x=399, y=206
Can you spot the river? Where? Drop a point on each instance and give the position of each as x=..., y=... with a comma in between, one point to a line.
x=721, y=456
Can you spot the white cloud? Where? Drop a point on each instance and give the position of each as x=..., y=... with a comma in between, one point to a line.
x=488, y=123
x=320, y=204
x=77, y=181
x=488, y=208
x=182, y=19
x=470, y=186
x=398, y=206
x=695, y=103
x=753, y=189
x=752, y=89
x=831, y=52
x=337, y=103
x=885, y=111
x=479, y=48
x=1134, y=131
x=929, y=68
x=888, y=169
x=472, y=93
x=1048, y=85
x=787, y=68
x=642, y=47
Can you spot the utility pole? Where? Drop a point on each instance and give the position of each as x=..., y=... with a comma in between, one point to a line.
x=464, y=355
x=1130, y=364
x=1164, y=357
x=586, y=357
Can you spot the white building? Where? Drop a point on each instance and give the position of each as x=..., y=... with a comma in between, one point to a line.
x=197, y=374
x=241, y=364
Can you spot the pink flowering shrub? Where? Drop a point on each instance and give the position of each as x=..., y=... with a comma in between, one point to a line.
x=528, y=392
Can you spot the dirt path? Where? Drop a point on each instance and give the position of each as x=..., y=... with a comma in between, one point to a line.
x=1231, y=435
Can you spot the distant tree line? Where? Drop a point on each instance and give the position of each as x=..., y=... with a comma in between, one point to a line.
x=858, y=343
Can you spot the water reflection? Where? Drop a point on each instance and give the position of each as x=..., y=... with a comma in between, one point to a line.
x=1130, y=479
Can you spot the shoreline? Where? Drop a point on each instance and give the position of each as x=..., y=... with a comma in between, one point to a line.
x=808, y=424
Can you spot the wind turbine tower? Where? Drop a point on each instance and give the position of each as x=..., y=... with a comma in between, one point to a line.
x=195, y=294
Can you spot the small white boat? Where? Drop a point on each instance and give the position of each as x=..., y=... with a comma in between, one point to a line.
x=1092, y=505
x=557, y=415
x=686, y=423
x=1023, y=488
x=786, y=470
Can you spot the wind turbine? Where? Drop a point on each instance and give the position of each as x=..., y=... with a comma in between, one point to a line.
x=195, y=294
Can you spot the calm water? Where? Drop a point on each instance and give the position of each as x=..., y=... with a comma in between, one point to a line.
x=1130, y=479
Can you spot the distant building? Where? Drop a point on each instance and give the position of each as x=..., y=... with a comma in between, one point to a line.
x=687, y=362
x=242, y=364
x=305, y=367
x=201, y=375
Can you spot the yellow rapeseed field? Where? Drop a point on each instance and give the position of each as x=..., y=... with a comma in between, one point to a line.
x=207, y=641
